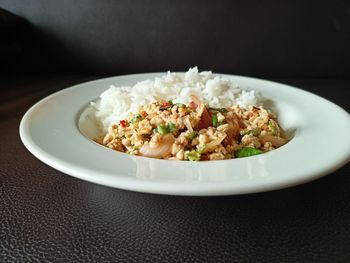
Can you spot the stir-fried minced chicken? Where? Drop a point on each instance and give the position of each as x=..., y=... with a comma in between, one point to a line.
x=195, y=132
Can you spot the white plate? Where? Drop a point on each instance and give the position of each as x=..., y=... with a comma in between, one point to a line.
x=320, y=145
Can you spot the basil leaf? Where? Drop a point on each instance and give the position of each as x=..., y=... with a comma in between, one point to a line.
x=171, y=127
x=247, y=151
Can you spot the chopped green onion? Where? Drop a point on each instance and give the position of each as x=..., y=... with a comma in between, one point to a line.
x=135, y=118
x=192, y=135
x=214, y=120
x=171, y=127
x=254, y=132
x=222, y=110
x=273, y=127
x=165, y=129
x=135, y=148
x=171, y=102
x=247, y=151
x=202, y=148
x=245, y=132
x=162, y=129
x=194, y=156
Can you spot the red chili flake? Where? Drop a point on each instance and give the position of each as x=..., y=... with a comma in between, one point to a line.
x=166, y=104
x=123, y=123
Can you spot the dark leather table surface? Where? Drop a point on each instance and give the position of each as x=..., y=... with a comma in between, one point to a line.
x=47, y=216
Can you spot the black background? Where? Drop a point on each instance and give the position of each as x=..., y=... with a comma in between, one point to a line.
x=45, y=46
x=256, y=38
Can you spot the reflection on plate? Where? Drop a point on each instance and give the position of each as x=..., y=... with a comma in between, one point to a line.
x=58, y=131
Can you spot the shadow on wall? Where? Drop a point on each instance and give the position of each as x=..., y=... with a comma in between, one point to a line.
x=13, y=32
x=28, y=49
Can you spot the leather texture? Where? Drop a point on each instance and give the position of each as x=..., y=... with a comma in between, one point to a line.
x=47, y=216
x=256, y=38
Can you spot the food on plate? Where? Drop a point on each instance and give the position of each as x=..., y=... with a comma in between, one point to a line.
x=192, y=116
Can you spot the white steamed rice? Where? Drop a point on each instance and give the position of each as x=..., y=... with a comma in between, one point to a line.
x=116, y=103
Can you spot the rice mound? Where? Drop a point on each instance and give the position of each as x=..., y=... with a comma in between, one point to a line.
x=116, y=103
